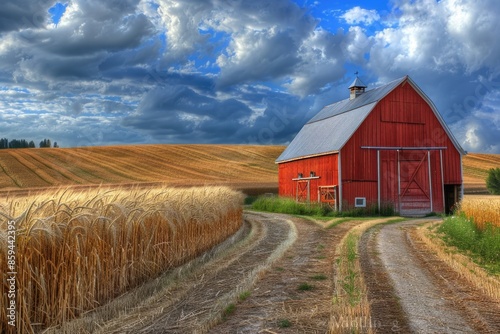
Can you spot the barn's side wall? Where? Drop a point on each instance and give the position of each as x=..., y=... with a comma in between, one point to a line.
x=326, y=167
x=359, y=176
x=401, y=119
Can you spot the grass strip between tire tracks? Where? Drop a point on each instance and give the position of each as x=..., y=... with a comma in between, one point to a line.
x=351, y=307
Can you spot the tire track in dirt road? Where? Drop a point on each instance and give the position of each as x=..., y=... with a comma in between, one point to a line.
x=295, y=294
x=412, y=291
x=201, y=300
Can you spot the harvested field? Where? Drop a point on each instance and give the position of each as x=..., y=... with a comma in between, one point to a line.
x=475, y=168
x=244, y=165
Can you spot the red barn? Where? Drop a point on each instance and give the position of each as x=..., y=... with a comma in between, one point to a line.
x=385, y=146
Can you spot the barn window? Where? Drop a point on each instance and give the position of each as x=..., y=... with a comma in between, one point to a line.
x=360, y=202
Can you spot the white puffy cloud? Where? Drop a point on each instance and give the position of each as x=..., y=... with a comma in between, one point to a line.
x=448, y=36
x=473, y=27
x=321, y=63
x=358, y=15
x=181, y=21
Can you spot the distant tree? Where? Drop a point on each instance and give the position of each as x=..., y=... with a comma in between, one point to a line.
x=18, y=143
x=45, y=143
x=4, y=143
x=493, y=181
x=55, y=144
x=21, y=143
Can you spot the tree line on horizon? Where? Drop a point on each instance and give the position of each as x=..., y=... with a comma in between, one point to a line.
x=23, y=143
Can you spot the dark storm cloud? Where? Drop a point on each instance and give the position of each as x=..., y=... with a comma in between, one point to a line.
x=112, y=35
x=59, y=68
x=201, y=117
x=19, y=14
x=180, y=110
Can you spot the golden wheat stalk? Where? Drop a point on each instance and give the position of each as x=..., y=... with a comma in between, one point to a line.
x=78, y=249
x=482, y=210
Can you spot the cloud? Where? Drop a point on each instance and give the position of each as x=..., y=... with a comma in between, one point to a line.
x=217, y=71
x=275, y=60
x=476, y=133
x=88, y=27
x=189, y=116
x=358, y=15
x=19, y=14
x=321, y=59
x=472, y=26
x=448, y=36
x=477, y=118
x=258, y=40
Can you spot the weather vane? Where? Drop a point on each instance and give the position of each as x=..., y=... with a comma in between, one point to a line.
x=356, y=73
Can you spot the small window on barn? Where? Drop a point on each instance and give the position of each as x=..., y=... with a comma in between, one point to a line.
x=360, y=202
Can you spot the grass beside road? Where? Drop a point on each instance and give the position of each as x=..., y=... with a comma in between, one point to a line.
x=289, y=206
x=317, y=210
x=483, y=244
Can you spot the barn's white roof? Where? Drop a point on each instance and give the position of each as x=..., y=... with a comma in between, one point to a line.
x=332, y=127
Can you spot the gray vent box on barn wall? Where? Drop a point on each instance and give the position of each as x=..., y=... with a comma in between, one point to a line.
x=360, y=202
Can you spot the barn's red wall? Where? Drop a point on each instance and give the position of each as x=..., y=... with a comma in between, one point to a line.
x=401, y=119
x=326, y=167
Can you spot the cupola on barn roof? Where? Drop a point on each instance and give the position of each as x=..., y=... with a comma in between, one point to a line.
x=357, y=83
x=357, y=88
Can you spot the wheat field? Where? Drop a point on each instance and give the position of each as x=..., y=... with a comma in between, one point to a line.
x=78, y=249
x=482, y=209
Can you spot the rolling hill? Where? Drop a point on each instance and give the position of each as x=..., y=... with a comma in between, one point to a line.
x=248, y=166
x=475, y=168
x=245, y=165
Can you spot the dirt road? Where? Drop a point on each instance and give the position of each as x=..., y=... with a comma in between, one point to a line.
x=278, y=278
x=412, y=290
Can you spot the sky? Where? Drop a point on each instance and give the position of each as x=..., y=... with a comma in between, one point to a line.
x=95, y=72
